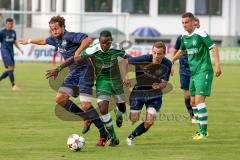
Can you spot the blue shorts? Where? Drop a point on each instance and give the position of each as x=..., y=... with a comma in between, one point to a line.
x=8, y=58
x=185, y=81
x=79, y=80
x=148, y=98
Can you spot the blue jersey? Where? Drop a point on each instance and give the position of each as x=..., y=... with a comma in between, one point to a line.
x=7, y=39
x=141, y=76
x=183, y=61
x=67, y=45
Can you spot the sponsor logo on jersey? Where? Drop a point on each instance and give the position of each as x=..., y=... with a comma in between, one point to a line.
x=9, y=39
x=64, y=43
x=194, y=43
x=192, y=51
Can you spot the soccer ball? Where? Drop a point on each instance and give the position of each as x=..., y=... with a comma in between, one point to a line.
x=75, y=142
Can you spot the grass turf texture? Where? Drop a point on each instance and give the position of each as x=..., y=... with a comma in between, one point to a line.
x=29, y=129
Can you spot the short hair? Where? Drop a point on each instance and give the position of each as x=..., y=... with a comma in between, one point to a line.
x=196, y=19
x=58, y=19
x=160, y=44
x=9, y=20
x=188, y=15
x=106, y=34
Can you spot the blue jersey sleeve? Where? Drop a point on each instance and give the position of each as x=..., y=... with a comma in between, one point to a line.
x=50, y=40
x=143, y=58
x=168, y=64
x=1, y=36
x=178, y=43
x=15, y=37
x=76, y=37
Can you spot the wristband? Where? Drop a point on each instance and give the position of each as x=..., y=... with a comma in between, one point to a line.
x=29, y=40
x=59, y=68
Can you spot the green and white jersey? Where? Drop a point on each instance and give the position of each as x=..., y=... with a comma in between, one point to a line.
x=197, y=46
x=106, y=63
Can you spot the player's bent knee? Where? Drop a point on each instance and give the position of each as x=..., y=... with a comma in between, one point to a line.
x=134, y=116
x=134, y=119
x=10, y=68
x=103, y=107
x=121, y=107
x=85, y=105
x=61, y=99
x=192, y=101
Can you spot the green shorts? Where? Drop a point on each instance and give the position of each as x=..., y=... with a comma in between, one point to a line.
x=200, y=84
x=109, y=87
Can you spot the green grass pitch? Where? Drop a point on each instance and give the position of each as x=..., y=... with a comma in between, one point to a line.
x=29, y=129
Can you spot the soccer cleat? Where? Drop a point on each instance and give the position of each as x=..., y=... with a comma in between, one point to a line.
x=119, y=121
x=119, y=118
x=199, y=136
x=103, y=141
x=86, y=126
x=114, y=142
x=130, y=141
x=199, y=133
x=15, y=88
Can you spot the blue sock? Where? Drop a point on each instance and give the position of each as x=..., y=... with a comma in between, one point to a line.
x=73, y=108
x=94, y=117
x=189, y=107
x=138, y=131
x=4, y=75
x=11, y=76
x=92, y=113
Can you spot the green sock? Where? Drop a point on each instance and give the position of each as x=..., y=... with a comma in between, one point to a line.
x=107, y=120
x=202, y=118
x=195, y=112
x=109, y=127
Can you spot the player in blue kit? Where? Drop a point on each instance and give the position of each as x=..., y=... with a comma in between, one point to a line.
x=109, y=82
x=8, y=39
x=81, y=75
x=148, y=90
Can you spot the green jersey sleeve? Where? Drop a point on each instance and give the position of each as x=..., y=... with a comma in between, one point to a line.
x=119, y=50
x=122, y=53
x=182, y=46
x=90, y=51
x=208, y=41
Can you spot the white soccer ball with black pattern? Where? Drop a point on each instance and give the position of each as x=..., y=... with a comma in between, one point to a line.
x=75, y=142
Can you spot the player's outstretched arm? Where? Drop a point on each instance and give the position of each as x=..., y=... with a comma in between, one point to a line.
x=126, y=80
x=217, y=68
x=177, y=56
x=38, y=41
x=173, y=54
x=84, y=44
x=54, y=72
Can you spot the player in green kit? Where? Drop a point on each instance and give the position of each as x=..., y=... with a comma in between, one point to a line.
x=197, y=43
x=108, y=78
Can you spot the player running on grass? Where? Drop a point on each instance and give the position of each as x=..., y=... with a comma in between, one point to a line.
x=184, y=72
x=108, y=78
x=8, y=39
x=105, y=55
x=197, y=44
x=81, y=75
x=148, y=90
